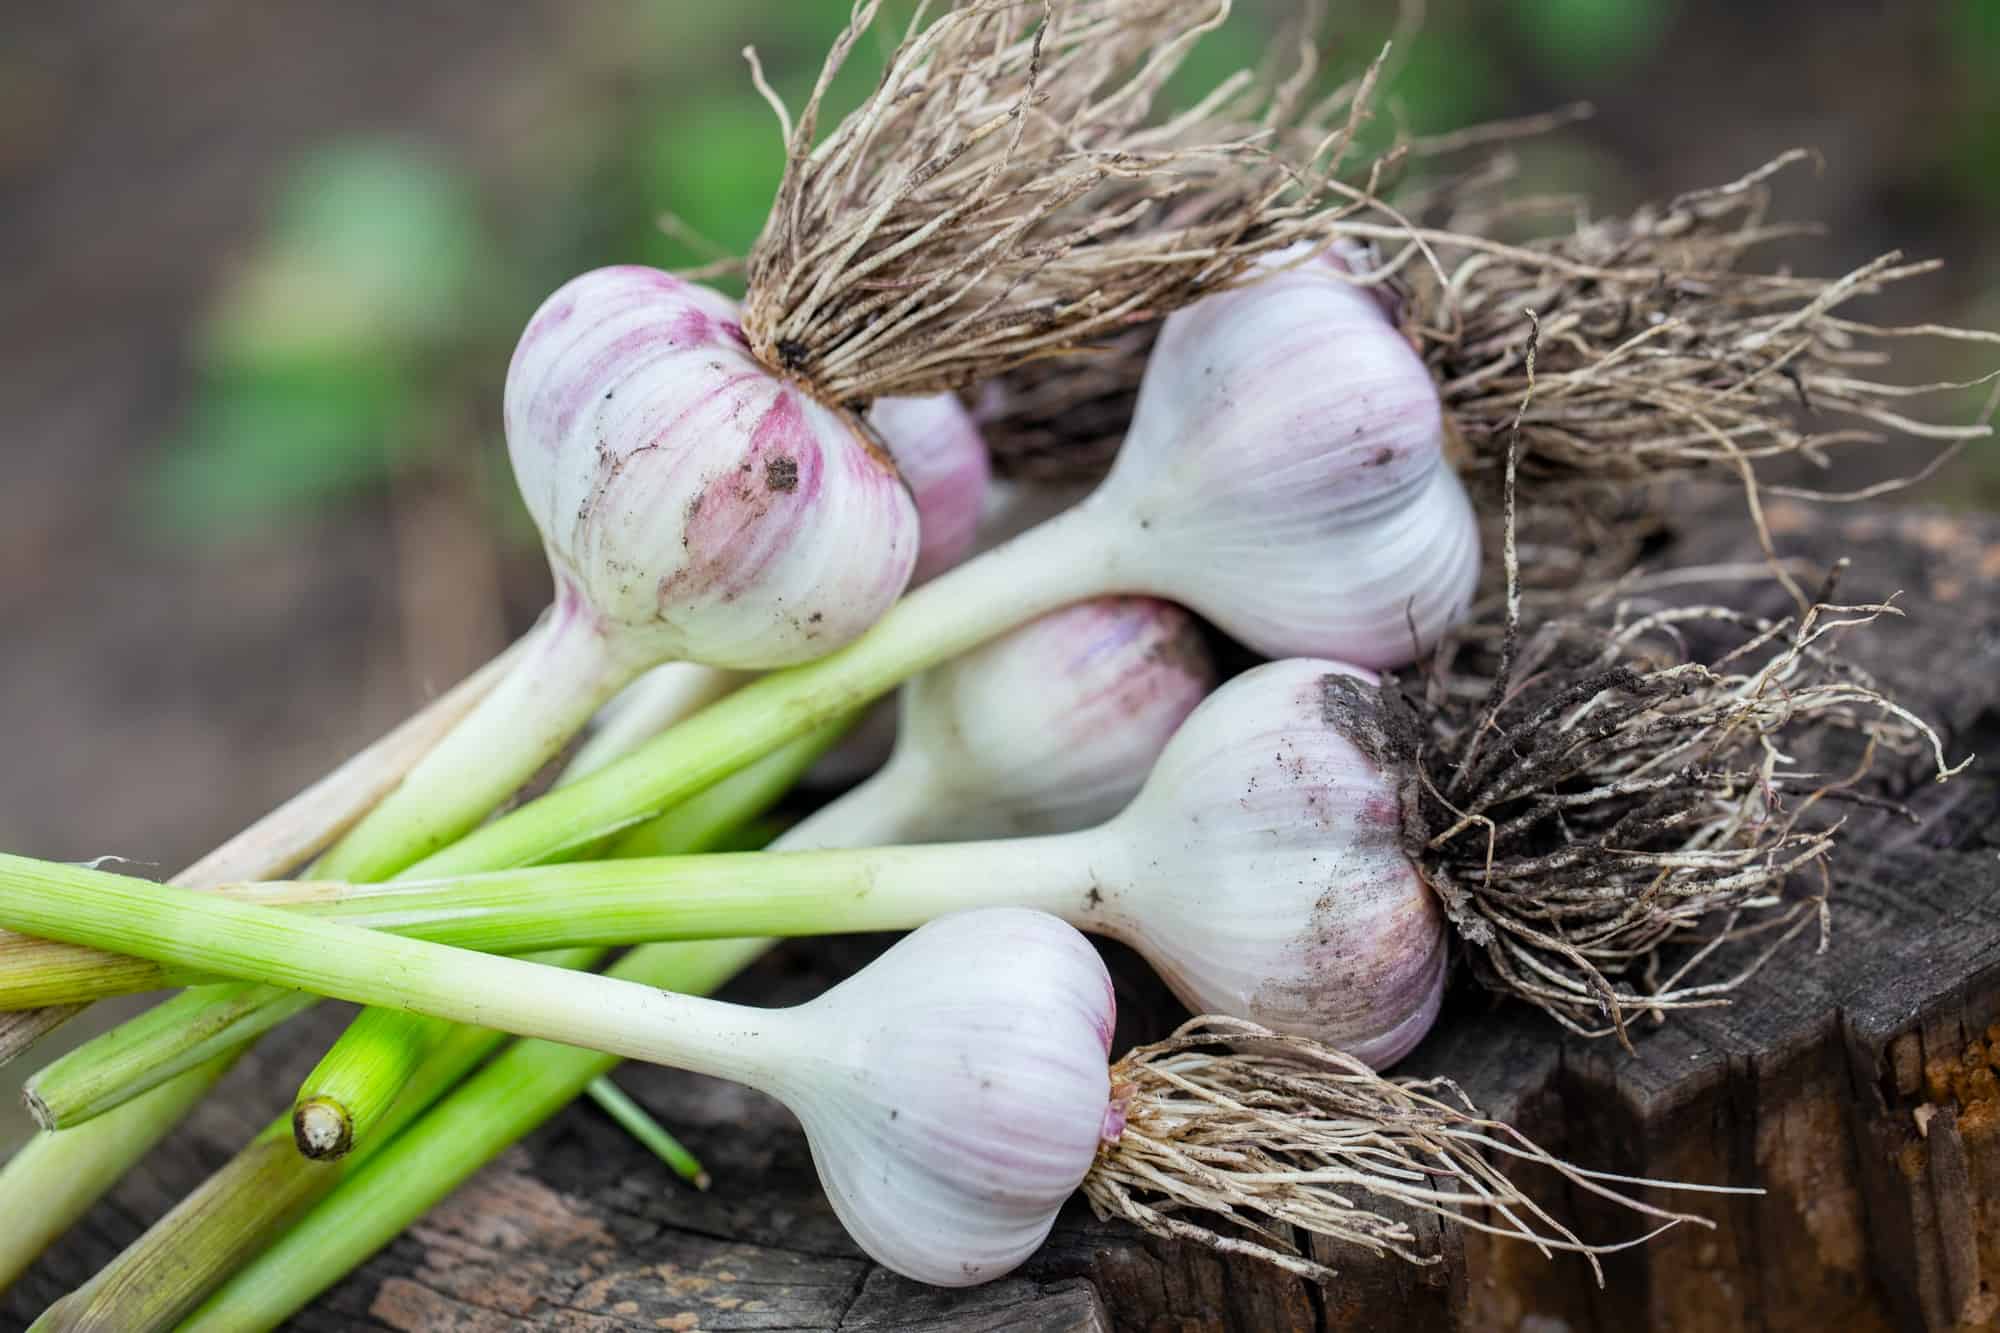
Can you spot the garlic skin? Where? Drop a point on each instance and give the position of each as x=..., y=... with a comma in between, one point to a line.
x=1047, y=729
x=942, y=456
x=954, y=1090
x=703, y=508
x=1290, y=419
x=1264, y=874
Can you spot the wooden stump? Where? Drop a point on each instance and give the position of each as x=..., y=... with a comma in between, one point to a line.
x=1860, y=1089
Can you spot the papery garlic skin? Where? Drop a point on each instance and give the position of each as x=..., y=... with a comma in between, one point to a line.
x=1285, y=474
x=1264, y=874
x=699, y=505
x=954, y=1090
x=942, y=459
x=942, y=456
x=1050, y=728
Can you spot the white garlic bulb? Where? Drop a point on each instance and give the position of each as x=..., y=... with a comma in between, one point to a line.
x=1285, y=475
x=1046, y=729
x=954, y=1090
x=695, y=501
x=1262, y=870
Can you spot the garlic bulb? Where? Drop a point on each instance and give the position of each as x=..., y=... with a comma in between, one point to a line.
x=1263, y=871
x=954, y=1091
x=696, y=502
x=942, y=456
x=942, y=459
x=1285, y=474
x=1047, y=729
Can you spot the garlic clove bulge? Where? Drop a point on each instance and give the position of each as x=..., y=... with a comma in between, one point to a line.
x=1285, y=473
x=954, y=1091
x=1266, y=875
x=942, y=456
x=698, y=504
x=1051, y=727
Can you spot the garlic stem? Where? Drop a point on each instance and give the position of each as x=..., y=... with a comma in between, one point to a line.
x=570, y=669
x=718, y=896
x=1068, y=559
x=370, y=967
x=133, y=1057
x=647, y=707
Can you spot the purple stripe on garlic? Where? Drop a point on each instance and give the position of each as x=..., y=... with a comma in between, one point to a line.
x=942, y=456
x=1285, y=472
x=699, y=503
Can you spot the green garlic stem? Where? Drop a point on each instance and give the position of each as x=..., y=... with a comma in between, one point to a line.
x=158, y=1043
x=637, y=1121
x=231, y=1216
x=723, y=895
x=568, y=670
x=753, y=1047
x=1069, y=558
x=54, y=1178
x=523, y=1086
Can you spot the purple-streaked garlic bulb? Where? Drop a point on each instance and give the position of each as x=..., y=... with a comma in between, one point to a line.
x=1285, y=475
x=1262, y=872
x=699, y=505
x=1044, y=730
x=695, y=507
x=942, y=458
x=955, y=1090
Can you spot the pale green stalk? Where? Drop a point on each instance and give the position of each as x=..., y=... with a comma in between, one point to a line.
x=52, y=1181
x=343, y=962
x=1067, y=559
x=525, y=1085
x=232, y=1215
x=713, y=896
x=635, y=1120
x=183, y=1258
x=54, y=1178
x=105, y=1071
x=109, y=1069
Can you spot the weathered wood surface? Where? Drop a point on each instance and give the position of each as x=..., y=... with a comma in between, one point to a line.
x=1859, y=1089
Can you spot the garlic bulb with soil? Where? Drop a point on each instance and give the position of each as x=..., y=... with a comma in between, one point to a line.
x=942, y=459
x=694, y=506
x=704, y=508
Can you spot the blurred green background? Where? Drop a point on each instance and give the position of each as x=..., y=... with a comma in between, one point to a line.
x=267, y=262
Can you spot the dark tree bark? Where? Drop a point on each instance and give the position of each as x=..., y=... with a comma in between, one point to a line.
x=1858, y=1088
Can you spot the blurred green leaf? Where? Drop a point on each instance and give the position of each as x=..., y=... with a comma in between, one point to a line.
x=372, y=243
x=314, y=344
x=1447, y=80
x=1592, y=39
x=715, y=166
x=268, y=445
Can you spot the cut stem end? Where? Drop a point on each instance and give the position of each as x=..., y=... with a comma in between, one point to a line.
x=322, y=1129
